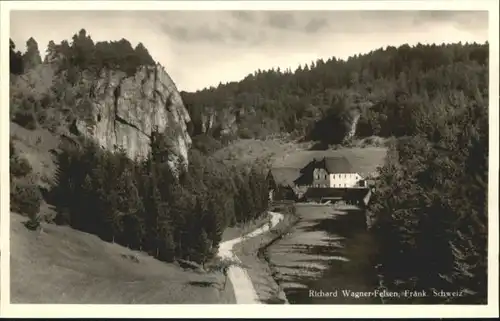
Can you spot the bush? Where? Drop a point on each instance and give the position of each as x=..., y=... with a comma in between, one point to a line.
x=244, y=133
x=33, y=223
x=25, y=119
x=369, y=140
x=206, y=144
x=24, y=112
x=19, y=167
x=25, y=198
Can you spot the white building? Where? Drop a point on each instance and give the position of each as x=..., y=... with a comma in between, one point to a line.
x=344, y=179
x=335, y=172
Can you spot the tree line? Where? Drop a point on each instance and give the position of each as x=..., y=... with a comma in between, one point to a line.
x=81, y=54
x=146, y=205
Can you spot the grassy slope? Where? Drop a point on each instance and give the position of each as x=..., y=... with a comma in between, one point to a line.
x=363, y=160
x=283, y=154
x=35, y=146
x=246, y=151
x=62, y=265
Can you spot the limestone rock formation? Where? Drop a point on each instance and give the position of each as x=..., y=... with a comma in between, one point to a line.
x=223, y=121
x=125, y=111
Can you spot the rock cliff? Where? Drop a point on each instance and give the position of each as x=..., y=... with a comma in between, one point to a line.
x=112, y=107
x=224, y=121
x=125, y=111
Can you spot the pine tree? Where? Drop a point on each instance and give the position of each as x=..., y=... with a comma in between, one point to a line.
x=204, y=247
x=133, y=208
x=213, y=220
x=16, y=59
x=31, y=57
x=255, y=192
x=143, y=55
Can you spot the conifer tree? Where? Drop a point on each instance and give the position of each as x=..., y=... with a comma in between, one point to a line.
x=31, y=57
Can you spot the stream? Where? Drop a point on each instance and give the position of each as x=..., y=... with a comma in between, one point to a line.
x=327, y=258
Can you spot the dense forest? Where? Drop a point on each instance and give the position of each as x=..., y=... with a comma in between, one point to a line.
x=430, y=206
x=393, y=90
x=144, y=205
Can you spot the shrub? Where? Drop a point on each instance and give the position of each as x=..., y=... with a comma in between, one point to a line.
x=25, y=198
x=206, y=144
x=245, y=133
x=33, y=223
x=23, y=112
x=19, y=167
x=369, y=140
x=26, y=119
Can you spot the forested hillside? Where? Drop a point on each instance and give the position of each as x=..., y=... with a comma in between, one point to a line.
x=394, y=90
x=430, y=206
x=429, y=210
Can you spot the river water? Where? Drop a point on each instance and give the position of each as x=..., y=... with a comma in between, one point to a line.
x=327, y=258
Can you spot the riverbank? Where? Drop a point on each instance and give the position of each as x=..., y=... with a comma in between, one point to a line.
x=327, y=251
x=250, y=254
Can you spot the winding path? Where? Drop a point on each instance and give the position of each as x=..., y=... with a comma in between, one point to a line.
x=244, y=291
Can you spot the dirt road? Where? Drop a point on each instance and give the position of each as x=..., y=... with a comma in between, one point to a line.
x=244, y=290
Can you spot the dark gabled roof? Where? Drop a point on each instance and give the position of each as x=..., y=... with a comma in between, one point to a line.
x=285, y=176
x=338, y=164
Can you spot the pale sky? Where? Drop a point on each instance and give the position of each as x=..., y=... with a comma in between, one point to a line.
x=202, y=48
